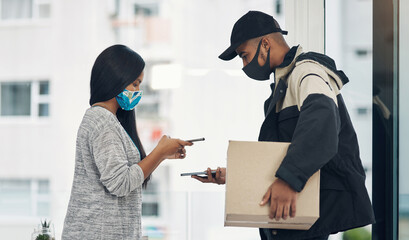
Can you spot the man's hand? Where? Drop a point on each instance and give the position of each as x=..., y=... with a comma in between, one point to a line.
x=282, y=198
x=220, y=177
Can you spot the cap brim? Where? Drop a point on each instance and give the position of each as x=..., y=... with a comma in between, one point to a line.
x=229, y=53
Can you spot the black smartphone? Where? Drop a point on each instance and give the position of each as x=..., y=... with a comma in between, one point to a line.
x=195, y=140
x=199, y=174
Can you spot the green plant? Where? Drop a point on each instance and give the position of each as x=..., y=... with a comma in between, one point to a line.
x=43, y=237
x=45, y=224
x=357, y=234
x=45, y=228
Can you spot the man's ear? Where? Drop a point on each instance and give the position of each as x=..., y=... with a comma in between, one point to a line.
x=265, y=47
x=266, y=43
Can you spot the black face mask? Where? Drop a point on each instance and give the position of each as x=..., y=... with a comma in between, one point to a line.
x=255, y=71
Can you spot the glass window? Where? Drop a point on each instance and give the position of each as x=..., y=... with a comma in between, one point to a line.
x=43, y=187
x=43, y=208
x=150, y=209
x=24, y=198
x=15, y=197
x=43, y=100
x=16, y=9
x=149, y=110
x=146, y=8
x=279, y=7
x=403, y=121
x=44, y=87
x=43, y=109
x=24, y=9
x=44, y=10
x=29, y=99
x=150, y=204
x=15, y=99
x=349, y=43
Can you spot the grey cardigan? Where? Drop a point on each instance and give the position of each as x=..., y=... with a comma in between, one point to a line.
x=106, y=197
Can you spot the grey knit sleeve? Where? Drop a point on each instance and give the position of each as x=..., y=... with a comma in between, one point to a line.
x=111, y=160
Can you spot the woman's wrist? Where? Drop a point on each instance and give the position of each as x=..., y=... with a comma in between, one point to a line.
x=156, y=153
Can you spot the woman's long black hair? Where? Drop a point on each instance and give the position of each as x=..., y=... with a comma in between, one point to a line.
x=114, y=69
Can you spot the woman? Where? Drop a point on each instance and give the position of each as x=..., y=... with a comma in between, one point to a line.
x=111, y=166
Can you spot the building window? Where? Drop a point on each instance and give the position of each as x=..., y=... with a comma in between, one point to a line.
x=24, y=9
x=150, y=204
x=15, y=99
x=146, y=8
x=150, y=209
x=362, y=52
x=24, y=198
x=30, y=99
x=363, y=111
x=149, y=106
x=278, y=6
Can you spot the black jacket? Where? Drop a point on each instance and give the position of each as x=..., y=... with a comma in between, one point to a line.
x=307, y=109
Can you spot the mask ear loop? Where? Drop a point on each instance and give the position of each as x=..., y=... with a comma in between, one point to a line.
x=255, y=58
x=268, y=57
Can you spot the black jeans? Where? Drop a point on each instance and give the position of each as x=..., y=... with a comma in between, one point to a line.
x=267, y=234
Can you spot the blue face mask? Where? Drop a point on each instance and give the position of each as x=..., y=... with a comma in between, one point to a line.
x=128, y=100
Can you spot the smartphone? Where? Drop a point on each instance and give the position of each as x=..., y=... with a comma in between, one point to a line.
x=195, y=140
x=199, y=174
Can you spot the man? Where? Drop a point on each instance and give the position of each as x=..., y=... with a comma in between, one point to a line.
x=306, y=109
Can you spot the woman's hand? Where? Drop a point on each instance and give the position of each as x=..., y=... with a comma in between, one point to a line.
x=171, y=148
x=166, y=148
x=220, y=177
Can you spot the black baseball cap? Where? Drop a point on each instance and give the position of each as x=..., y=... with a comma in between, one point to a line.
x=251, y=25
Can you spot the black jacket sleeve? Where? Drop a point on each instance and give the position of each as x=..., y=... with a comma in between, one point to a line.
x=314, y=143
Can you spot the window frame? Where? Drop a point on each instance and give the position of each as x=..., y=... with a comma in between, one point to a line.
x=35, y=18
x=35, y=100
x=386, y=76
x=36, y=198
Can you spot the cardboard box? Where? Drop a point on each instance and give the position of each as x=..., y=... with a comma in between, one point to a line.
x=251, y=168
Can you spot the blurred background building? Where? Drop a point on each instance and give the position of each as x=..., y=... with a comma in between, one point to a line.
x=47, y=49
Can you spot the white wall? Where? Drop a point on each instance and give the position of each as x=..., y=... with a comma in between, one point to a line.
x=61, y=49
